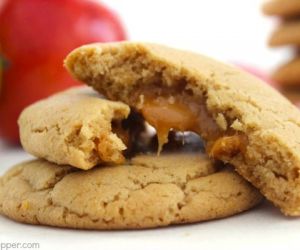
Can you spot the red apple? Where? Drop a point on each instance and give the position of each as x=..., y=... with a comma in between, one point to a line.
x=35, y=37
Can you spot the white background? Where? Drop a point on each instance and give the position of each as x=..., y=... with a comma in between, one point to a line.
x=232, y=31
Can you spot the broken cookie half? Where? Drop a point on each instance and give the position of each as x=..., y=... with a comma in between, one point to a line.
x=243, y=121
x=75, y=127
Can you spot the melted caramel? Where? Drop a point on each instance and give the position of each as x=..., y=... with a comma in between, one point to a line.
x=228, y=146
x=167, y=108
x=163, y=116
x=178, y=113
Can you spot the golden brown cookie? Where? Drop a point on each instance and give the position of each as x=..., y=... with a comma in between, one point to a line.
x=74, y=127
x=288, y=33
x=284, y=8
x=288, y=75
x=148, y=192
x=244, y=121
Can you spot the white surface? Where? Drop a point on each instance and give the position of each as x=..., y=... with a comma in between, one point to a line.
x=258, y=229
x=231, y=30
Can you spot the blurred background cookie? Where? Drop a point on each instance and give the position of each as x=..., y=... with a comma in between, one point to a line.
x=284, y=8
x=287, y=33
x=288, y=75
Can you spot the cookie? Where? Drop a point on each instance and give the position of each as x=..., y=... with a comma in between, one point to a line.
x=286, y=34
x=293, y=94
x=75, y=128
x=148, y=192
x=244, y=121
x=288, y=75
x=283, y=8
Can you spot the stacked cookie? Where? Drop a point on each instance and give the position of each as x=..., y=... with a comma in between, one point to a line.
x=286, y=34
x=82, y=179
x=91, y=173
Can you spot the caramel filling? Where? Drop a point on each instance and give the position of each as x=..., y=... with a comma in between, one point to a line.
x=228, y=146
x=177, y=109
x=178, y=114
x=164, y=116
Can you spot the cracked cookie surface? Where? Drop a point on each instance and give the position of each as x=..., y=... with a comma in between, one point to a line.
x=257, y=130
x=73, y=127
x=147, y=192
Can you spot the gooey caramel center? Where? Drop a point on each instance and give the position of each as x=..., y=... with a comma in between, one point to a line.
x=163, y=116
x=177, y=113
x=228, y=146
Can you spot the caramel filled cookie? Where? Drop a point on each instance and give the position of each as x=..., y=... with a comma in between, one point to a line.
x=244, y=122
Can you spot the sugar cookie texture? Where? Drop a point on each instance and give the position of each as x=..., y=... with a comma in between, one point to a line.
x=147, y=192
x=73, y=127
